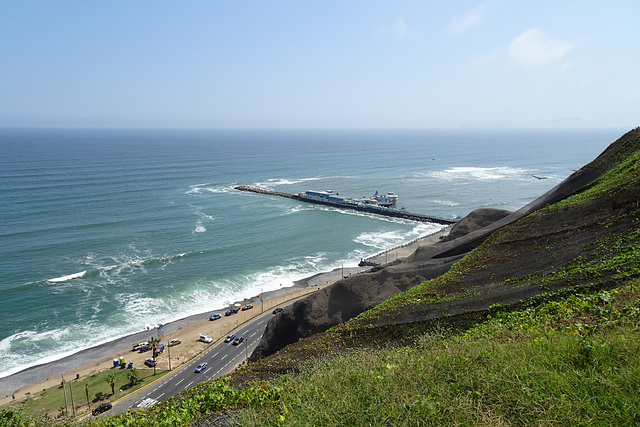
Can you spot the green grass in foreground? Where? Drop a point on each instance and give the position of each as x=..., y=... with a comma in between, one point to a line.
x=569, y=361
x=51, y=401
x=574, y=361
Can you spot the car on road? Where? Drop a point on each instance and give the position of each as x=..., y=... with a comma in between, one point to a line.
x=277, y=310
x=205, y=338
x=201, y=367
x=174, y=341
x=247, y=307
x=238, y=340
x=229, y=337
x=103, y=407
x=215, y=316
x=150, y=362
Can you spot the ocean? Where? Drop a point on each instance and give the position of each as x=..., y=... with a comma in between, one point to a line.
x=104, y=233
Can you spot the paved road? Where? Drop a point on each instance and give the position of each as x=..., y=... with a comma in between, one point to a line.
x=221, y=357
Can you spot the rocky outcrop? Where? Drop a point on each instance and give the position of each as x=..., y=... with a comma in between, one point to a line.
x=343, y=300
x=476, y=220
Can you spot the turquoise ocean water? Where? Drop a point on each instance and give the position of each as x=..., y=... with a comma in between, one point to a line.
x=106, y=232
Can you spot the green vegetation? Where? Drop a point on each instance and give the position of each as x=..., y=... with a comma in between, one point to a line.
x=87, y=392
x=573, y=361
x=625, y=172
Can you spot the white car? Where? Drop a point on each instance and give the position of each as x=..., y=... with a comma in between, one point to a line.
x=174, y=341
x=205, y=338
x=201, y=367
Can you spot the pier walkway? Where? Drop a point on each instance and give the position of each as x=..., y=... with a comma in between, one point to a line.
x=396, y=213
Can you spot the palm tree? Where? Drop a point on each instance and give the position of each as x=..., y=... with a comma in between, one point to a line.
x=111, y=380
x=132, y=375
x=153, y=343
x=86, y=390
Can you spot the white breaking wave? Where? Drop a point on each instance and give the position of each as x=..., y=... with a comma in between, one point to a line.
x=392, y=239
x=209, y=188
x=204, y=215
x=69, y=277
x=479, y=173
x=446, y=203
x=380, y=240
x=273, y=182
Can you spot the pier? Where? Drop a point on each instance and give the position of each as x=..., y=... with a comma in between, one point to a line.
x=396, y=213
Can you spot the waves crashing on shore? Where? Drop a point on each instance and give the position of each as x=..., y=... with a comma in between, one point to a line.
x=106, y=232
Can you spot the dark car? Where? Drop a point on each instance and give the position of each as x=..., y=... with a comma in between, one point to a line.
x=247, y=307
x=230, y=338
x=201, y=367
x=215, y=316
x=102, y=408
x=277, y=310
x=150, y=362
x=238, y=340
x=231, y=311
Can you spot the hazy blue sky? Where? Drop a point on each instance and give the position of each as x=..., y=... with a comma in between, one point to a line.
x=320, y=64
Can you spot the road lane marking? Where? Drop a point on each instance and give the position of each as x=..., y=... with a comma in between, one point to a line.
x=146, y=403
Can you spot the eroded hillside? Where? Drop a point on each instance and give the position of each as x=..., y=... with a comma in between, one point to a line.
x=583, y=233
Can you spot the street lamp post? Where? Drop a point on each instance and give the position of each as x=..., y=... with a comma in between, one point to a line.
x=169, y=350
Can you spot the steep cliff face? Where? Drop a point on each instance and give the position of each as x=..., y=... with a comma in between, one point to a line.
x=476, y=220
x=342, y=301
x=511, y=265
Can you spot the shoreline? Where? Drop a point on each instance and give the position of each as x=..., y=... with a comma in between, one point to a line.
x=99, y=358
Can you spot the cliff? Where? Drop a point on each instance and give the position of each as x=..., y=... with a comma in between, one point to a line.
x=518, y=249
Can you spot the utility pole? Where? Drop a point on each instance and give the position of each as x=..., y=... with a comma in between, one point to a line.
x=64, y=390
x=73, y=406
x=169, y=350
x=86, y=391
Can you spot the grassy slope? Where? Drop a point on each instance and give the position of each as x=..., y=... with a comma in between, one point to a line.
x=569, y=357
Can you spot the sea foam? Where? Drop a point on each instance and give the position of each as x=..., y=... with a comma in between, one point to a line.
x=479, y=173
x=68, y=277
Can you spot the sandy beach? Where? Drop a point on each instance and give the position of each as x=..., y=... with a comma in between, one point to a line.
x=99, y=358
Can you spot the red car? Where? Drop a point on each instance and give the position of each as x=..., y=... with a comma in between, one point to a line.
x=247, y=307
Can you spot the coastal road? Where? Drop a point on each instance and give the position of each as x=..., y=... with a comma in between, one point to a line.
x=222, y=358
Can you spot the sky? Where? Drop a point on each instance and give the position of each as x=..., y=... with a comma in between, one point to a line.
x=320, y=64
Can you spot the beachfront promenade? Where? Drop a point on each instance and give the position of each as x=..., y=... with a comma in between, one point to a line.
x=379, y=210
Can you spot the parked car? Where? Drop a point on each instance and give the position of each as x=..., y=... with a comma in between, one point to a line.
x=174, y=341
x=231, y=311
x=215, y=316
x=144, y=347
x=159, y=350
x=247, y=307
x=205, y=338
x=229, y=337
x=238, y=340
x=138, y=346
x=150, y=362
x=201, y=367
x=277, y=310
x=103, y=407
